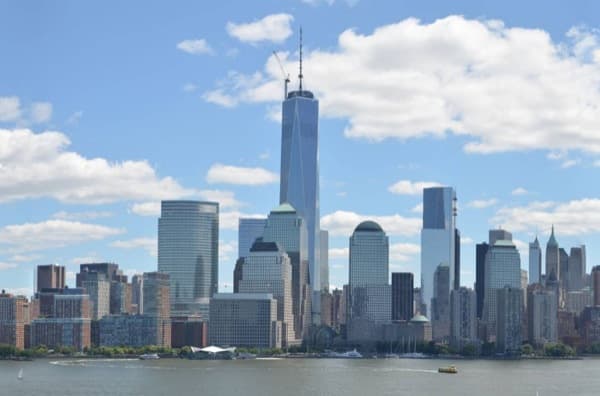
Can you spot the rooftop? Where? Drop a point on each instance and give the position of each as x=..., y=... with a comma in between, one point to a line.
x=368, y=226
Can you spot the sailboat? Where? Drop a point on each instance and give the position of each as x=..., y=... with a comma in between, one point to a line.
x=20, y=375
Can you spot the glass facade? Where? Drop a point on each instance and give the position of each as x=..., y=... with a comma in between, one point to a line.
x=437, y=237
x=324, y=260
x=300, y=174
x=248, y=231
x=188, y=250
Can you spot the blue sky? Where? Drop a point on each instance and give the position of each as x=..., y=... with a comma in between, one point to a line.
x=107, y=109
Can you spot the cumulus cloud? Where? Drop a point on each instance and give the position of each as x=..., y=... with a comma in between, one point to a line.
x=51, y=234
x=338, y=253
x=39, y=165
x=275, y=28
x=146, y=209
x=482, y=203
x=195, y=47
x=344, y=222
x=519, y=191
x=148, y=244
x=577, y=217
x=226, y=200
x=418, y=208
x=502, y=88
x=230, y=220
x=89, y=215
x=5, y=266
x=229, y=174
x=407, y=187
x=404, y=252
x=10, y=108
x=228, y=251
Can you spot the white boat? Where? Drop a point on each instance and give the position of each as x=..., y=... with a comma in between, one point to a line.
x=20, y=375
x=149, y=356
x=354, y=354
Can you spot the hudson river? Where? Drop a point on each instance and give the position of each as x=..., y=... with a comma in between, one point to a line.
x=176, y=377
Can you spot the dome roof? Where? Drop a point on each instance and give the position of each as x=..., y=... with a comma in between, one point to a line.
x=368, y=226
x=419, y=319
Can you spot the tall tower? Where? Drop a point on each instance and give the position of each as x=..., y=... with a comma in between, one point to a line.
x=299, y=184
x=535, y=262
x=437, y=238
x=188, y=250
x=552, y=258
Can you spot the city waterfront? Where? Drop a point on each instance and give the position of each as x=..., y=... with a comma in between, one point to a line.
x=289, y=377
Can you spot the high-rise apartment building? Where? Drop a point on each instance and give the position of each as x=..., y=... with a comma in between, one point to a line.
x=535, y=262
x=248, y=230
x=12, y=320
x=438, y=236
x=463, y=317
x=299, y=184
x=188, y=250
x=50, y=276
x=542, y=315
x=402, y=296
x=509, y=301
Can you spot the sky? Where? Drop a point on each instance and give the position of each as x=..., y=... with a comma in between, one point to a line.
x=108, y=107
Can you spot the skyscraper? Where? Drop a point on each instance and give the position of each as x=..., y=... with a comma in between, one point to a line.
x=456, y=285
x=563, y=266
x=188, y=250
x=50, y=277
x=502, y=269
x=509, y=301
x=324, y=260
x=248, y=231
x=299, y=184
x=499, y=235
x=440, y=303
x=552, y=258
x=285, y=227
x=596, y=284
x=463, y=317
x=542, y=315
x=402, y=296
x=481, y=250
x=577, y=268
x=535, y=262
x=370, y=293
x=437, y=237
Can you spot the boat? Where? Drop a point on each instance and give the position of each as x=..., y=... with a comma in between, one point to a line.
x=20, y=375
x=448, y=370
x=149, y=356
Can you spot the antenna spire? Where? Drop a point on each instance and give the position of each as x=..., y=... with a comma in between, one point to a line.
x=300, y=76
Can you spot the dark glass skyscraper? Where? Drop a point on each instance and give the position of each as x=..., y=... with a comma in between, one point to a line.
x=300, y=173
x=188, y=250
x=402, y=295
x=480, y=252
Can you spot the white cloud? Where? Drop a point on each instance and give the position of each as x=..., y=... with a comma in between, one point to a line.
x=274, y=28
x=89, y=215
x=219, y=97
x=264, y=156
x=418, y=208
x=577, y=217
x=556, y=155
x=38, y=165
x=343, y=223
x=407, y=187
x=519, y=191
x=466, y=240
x=22, y=258
x=148, y=244
x=226, y=199
x=189, y=87
x=404, y=252
x=570, y=163
x=228, y=251
x=40, y=112
x=5, y=266
x=19, y=291
x=195, y=47
x=74, y=118
x=51, y=234
x=10, y=108
x=229, y=174
x=90, y=258
x=338, y=253
x=503, y=88
x=597, y=163
x=230, y=220
x=146, y=209
x=341, y=194
x=482, y=203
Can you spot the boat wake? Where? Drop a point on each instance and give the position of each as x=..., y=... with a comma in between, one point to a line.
x=409, y=370
x=108, y=363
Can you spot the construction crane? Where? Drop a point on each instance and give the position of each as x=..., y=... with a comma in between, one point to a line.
x=286, y=76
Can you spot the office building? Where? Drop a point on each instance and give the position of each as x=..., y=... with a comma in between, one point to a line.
x=402, y=296
x=542, y=315
x=134, y=331
x=244, y=320
x=577, y=300
x=268, y=270
x=563, y=266
x=481, y=250
x=286, y=228
x=50, y=276
x=120, y=297
x=137, y=294
x=97, y=286
x=535, y=262
x=463, y=318
x=509, y=308
x=110, y=271
x=324, y=259
x=499, y=235
x=577, y=264
x=238, y=273
x=502, y=269
x=437, y=238
x=456, y=258
x=188, y=250
x=188, y=331
x=596, y=284
x=248, y=230
x=12, y=320
x=299, y=180
x=440, y=303
x=552, y=258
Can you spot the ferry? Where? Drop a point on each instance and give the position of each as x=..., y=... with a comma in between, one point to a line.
x=448, y=370
x=149, y=356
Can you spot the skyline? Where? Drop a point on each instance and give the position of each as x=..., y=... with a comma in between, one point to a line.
x=168, y=124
